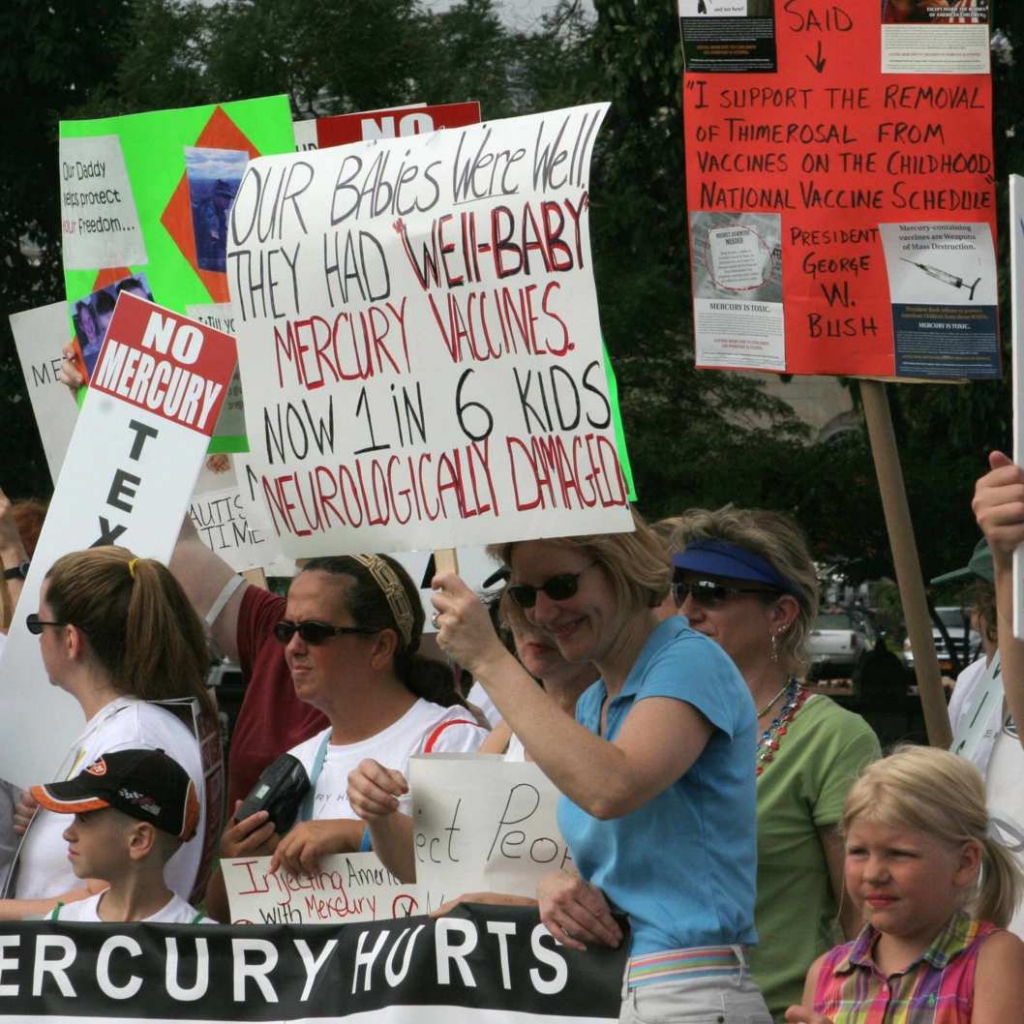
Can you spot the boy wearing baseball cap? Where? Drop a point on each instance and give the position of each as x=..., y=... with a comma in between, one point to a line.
x=133, y=809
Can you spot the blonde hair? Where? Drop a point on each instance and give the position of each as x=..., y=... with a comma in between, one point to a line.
x=777, y=539
x=6, y=604
x=941, y=795
x=139, y=624
x=635, y=562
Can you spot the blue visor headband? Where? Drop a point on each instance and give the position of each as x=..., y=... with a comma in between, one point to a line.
x=719, y=558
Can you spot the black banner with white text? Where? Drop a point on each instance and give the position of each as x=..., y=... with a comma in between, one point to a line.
x=481, y=962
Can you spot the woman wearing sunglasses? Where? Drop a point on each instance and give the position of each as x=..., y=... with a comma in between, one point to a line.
x=115, y=632
x=350, y=631
x=658, y=804
x=745, y=579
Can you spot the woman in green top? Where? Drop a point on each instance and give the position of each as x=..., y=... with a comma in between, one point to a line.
x=745, y=579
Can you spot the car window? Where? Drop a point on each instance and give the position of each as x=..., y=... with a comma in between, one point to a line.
x=952, y=618
x=833, y=620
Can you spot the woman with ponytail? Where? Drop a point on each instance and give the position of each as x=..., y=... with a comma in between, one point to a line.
x=351, y=632
x=937, y=888
x=117, y=633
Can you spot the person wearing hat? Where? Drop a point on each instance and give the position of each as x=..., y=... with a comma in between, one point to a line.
x=744, y=578
x=132, y=810
x=980, y=573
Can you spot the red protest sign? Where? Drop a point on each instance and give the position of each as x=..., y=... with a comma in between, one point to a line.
x=166, y=363
x=842, y=219
x=394, y=123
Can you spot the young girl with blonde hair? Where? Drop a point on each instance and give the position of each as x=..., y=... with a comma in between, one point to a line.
x=936, y=888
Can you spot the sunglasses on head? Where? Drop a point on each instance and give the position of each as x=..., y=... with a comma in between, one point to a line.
x=558, y=588
x=709, y=594
x=313, y=632
x=35, y=625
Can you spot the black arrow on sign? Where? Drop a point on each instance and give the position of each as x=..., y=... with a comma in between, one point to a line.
x=818, y=63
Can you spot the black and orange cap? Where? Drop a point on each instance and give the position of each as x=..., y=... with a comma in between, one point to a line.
x=144, y=784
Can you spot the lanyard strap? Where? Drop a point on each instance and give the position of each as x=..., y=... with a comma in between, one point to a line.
x=315, y=772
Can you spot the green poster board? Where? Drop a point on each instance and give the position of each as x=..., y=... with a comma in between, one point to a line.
x=146, y=195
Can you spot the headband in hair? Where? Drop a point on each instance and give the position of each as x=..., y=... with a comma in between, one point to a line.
x=391, y=587
x=720, y=558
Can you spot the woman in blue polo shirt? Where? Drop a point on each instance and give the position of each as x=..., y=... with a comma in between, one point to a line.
x=659, y=801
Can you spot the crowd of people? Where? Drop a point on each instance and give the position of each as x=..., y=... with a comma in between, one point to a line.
x=743, y=836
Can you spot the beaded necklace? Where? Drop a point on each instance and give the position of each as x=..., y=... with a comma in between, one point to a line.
x=768, y=744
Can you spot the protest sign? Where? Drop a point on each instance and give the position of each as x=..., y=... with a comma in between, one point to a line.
x=39, y=336
x=420, y=341
x=129, y=470
x=483, y=964
x=345, y=888
x=221, y=515
x=1017, y=304
x=482, y=824
x=393, y=123
x=150, y=193
x=822, y=196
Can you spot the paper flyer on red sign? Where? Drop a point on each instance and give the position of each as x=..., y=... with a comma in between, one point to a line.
x=130, y=467
x=840, y=212
x=419, y=340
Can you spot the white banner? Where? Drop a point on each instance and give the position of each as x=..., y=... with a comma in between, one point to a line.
x=1017, y=316
x=419, y=339
x=483, y=824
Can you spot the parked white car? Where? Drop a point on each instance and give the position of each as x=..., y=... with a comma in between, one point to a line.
x=838, y=642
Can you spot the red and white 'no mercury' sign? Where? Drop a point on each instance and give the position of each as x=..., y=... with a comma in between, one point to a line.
x=127, y=478
x=394, y=124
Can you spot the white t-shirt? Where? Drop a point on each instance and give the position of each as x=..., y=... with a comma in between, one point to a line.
x=174, y=911
x=392, y=747
x=515, y=751
x=125, y=723
x=1004, y=796
x=479, y=698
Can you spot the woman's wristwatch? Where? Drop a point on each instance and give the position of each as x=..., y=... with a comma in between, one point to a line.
x=17, y=572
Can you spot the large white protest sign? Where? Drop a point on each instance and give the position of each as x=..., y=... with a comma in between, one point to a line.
x=482, y=824
x=39, y=336
x=419, y=339
x=135, y=453
x=1017, y=303
x=484, y=964
x=345, y=888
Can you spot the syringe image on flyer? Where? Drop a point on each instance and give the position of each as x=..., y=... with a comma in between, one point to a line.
x=942, y=288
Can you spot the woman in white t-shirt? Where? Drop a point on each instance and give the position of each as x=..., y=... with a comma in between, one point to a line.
x=351, y=633
x=116, y=632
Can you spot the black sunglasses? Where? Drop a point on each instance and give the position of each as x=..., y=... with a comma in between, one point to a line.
x=313, y=632
x=35, y=624
x=558, y=588
x=709, y=594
